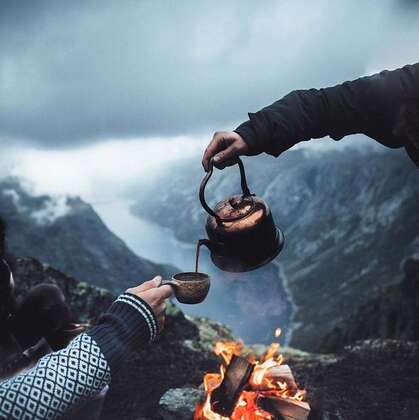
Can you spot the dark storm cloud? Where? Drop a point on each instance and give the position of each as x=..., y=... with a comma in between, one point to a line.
x=73, y=72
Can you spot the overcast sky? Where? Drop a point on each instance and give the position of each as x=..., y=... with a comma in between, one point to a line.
x=76, y=72
x=80, y=79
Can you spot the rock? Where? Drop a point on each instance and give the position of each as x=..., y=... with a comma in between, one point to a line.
x=179, y=403
x=373, y=379
x=210, y=332
x=87, y=302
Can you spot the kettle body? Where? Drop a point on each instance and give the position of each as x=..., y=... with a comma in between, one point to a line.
x=242, y=235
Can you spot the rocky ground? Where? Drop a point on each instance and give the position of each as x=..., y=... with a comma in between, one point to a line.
x=372, y=379
x=86, y=301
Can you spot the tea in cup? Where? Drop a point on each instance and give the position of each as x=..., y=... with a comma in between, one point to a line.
x=190, y=287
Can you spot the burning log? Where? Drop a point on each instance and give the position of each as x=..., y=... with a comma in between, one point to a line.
x=251, y=389
x=284, y=408
x=236, y=377
x=280, y=375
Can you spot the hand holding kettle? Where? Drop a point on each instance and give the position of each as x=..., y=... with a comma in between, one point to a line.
x=224, y=148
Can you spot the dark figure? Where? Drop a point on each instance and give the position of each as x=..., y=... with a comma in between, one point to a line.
x=384, y=106
x=7, y=300
x=42, y=313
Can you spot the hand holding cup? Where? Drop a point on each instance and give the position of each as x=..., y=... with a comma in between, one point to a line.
x=155, y=295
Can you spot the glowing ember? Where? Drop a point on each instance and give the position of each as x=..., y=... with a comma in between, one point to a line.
x=269, y=379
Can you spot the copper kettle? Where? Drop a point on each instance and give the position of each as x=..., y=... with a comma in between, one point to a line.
x=242, y=235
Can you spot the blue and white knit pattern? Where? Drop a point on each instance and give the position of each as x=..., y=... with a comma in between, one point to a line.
x=57, y=383
x=143, y=309
x=63, y=379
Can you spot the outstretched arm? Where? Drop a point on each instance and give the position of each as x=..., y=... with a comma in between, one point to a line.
x=62, y=380
x=369, y=105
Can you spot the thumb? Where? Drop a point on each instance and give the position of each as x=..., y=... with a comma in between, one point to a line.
x=147, y=285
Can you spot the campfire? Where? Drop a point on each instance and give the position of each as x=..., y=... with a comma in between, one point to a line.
x=251, y=389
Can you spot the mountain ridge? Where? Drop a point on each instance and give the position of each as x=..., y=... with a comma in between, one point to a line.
x=67, y=233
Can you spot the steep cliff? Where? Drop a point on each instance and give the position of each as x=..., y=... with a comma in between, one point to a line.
x=67, y=233
x=393, y=313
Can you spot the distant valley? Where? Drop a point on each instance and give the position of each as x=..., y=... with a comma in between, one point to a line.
x=67, y=233
x=350, y=217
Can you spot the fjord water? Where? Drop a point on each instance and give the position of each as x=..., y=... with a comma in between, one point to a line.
x=253, y=304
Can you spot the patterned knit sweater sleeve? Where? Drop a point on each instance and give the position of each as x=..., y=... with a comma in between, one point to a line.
x=62, y=380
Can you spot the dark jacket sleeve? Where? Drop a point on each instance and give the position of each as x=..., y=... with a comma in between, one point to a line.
x=369, y=105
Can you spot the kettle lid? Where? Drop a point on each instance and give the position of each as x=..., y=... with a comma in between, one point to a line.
x=234, y=208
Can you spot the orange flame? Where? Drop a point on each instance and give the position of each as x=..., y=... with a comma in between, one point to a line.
x=260, y=384
x=228, y=349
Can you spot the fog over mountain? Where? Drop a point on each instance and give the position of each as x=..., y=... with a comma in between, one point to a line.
x=67, y=233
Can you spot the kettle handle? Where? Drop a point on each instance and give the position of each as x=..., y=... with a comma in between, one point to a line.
x=245, y=188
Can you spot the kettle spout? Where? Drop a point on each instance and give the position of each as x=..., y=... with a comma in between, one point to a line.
x=201, y=242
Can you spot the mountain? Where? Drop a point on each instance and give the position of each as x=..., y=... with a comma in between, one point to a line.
x=67, y=233
x=374, y=379
x=392, y=313
x=349, y=216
